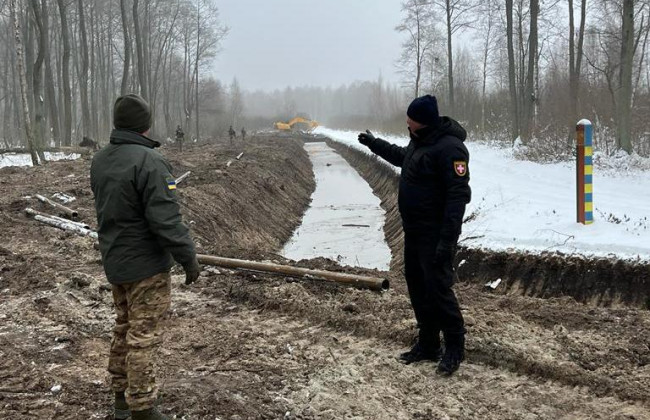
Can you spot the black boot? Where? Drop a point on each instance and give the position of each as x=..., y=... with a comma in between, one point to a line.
x=150, y=414
x=121, y=410
x=454, y=354
x=426, y=348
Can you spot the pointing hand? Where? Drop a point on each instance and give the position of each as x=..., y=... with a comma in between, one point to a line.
x=366, y=138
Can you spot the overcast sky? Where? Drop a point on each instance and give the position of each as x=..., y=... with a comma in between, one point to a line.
x=278, y=43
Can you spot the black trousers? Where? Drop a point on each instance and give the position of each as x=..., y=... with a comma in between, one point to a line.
x=430, y=287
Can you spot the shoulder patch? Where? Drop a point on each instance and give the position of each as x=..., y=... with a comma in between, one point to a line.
x=460, y=167
x=171, y=183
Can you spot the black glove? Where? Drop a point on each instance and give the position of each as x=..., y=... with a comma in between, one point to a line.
x=366, y=138
x=445, y=253
x=192, y=271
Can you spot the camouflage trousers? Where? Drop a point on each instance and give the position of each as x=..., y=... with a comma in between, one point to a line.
x=140, y=308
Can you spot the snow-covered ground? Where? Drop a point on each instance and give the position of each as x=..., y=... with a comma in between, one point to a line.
x=528, y=206
x=23, y=159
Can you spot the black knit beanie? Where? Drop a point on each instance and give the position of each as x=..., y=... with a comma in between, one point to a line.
x=424, y=110
x=132, y=112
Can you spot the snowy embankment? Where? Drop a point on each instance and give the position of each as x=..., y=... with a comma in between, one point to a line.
x=527, y=206
x=23, y=159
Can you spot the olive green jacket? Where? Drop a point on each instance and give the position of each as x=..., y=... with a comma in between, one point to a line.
x=138, y=216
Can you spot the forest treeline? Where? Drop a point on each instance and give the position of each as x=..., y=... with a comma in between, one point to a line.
x=510, y=69
x=513, y=69
x=66, y=61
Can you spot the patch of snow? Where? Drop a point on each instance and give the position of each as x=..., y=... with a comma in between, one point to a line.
x=493, y=284
x=24, y=159
x=528, y=206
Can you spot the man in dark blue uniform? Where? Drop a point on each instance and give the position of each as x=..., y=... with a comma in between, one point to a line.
x=433, y=192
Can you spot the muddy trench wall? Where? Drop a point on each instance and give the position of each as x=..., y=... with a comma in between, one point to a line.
x=598, y=281
x=251, y=207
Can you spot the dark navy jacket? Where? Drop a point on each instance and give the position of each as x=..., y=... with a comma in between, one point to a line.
x=434, y=183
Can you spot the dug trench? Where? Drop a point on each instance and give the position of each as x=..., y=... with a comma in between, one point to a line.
x=243, y=345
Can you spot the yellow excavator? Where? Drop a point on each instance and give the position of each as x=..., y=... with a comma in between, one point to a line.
x=288, y=126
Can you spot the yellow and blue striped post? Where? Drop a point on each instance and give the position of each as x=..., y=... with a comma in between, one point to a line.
x=584, y=172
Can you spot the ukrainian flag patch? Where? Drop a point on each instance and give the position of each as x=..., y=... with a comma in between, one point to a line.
x=171, y=183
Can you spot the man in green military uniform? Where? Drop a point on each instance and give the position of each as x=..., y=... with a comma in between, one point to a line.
x=140, y=235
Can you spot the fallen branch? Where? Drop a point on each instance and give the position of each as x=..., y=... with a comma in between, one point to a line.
x=63, y=209
x=65, y=225
x=33, y=212
x=363, y=282
x=182, y=177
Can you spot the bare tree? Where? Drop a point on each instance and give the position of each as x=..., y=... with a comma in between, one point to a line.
x=575, y=64
x=529, y=96
x=127, y=48
x=514, y=106
x=23, y=82
x=83, y=72
x=487, y=34
x=417, y=24
x=142, y=75
x=458, y=15
x=65, y=70
x=624, y=109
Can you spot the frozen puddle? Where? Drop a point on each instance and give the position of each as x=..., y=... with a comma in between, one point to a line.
x=345, y=221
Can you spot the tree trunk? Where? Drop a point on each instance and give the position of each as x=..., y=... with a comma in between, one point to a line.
x=127, y=49
x=624, y=132
x=575, y=64
x=196, y=69
x=450, y=61
x=67, y=91
x=142, y=77
x=7, y=134
x=93, y=74
x=529, y=97
x=486, y=52
x=23, y=83
x=49, y=79
x=83, y=73
x=514, y=108
x=37, y=82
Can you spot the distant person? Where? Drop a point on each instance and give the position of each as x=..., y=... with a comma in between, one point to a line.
x=180, y=138
x=232, y=134
x=243, y=134
x=140, y=235
x=433, y=191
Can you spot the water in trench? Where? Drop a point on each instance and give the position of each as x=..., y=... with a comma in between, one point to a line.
x=345, y=221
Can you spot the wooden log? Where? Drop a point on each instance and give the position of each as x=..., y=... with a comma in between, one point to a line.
x=61, y=208
x=182, y=177
x=363, y=282
x=65, y=225
x=33, y=212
